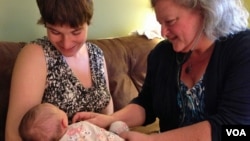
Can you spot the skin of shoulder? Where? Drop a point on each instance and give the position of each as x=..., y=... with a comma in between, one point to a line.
x=27, y=87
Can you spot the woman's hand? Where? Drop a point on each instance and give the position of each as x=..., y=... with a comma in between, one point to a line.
x=135, y=136
x=98, y=119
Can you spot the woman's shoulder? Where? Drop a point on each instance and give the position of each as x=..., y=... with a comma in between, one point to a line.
x=44, y=41
x=163, y=49
x=237, y=41
x=234, y=47
x=239, y=36
x=31, y=50
x=163, y=45
x=40, y=44
x=93, y=48
x=244, y=32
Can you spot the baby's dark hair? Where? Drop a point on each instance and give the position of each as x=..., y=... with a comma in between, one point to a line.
x=40, y=125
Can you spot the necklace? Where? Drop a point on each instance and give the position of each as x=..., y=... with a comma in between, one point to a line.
x=203, y=60
x=190, y=65
x=188, y=69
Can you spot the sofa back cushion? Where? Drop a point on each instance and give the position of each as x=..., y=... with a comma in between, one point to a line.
x=126, y=59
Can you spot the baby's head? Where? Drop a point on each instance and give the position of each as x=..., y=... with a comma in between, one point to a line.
x=44, y=121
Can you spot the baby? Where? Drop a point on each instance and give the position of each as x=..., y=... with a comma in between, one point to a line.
x=46, y=122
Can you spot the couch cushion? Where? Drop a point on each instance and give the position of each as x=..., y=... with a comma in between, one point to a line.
x=8, y=53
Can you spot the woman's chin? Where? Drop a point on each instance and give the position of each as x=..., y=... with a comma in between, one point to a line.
x=177, y=48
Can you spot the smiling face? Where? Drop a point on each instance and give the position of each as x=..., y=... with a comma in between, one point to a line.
x=66, y=39
x=180, y=25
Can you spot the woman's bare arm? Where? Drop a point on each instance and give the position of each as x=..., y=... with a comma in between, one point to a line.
x=27, y=87
x=110, y=108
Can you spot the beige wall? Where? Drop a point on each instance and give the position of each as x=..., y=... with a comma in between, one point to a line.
x=247, y=3
x=111, y=18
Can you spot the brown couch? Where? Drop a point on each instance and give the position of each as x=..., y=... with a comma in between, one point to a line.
x=126, y=64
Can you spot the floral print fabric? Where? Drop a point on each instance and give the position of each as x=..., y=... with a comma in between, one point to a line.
x=85, y=131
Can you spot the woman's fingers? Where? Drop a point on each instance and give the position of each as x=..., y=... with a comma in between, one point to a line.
x=80, y=116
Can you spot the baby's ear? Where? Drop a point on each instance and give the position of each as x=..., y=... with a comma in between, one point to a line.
x=64, y=122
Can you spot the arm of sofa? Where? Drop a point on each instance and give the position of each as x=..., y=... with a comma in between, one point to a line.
x=8, y=54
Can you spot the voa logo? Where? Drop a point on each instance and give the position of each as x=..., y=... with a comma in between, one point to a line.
x=236, y=132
